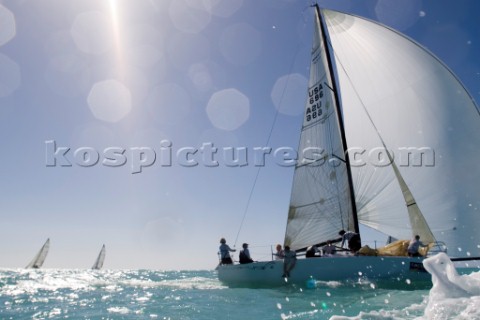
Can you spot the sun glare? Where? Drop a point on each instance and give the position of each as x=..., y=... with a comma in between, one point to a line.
x=114, y=15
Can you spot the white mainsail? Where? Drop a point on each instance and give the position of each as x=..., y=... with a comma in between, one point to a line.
x=321, y=203
x=394, y=92
x=100, y=259
x=40, y=257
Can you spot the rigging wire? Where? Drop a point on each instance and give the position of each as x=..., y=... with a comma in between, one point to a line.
x=249, y=199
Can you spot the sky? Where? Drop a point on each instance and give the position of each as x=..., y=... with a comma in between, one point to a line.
x=92, y=90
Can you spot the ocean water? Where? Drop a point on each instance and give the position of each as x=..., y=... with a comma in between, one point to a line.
x=150, y=294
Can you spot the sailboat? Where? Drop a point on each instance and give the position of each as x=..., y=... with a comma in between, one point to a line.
x=388, y=140
x=40, y=257
x=100, y=259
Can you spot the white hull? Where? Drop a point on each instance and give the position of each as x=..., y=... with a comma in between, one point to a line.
x=399, y=271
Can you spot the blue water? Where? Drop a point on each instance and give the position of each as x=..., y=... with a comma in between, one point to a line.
x=147, y=294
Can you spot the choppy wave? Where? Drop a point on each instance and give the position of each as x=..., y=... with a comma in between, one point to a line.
x=152, y=294
x=452, y=297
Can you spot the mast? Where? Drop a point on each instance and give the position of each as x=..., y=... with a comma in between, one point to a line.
x=339, y=117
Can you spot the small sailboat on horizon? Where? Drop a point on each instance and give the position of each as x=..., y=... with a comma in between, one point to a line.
x=40, y=257
x=100, y=259
x=379, y=91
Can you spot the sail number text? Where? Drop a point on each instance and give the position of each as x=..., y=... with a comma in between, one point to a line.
x=314, y=108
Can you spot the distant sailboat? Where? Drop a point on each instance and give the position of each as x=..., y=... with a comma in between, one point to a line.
x=99, y=262
x=39, y=259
